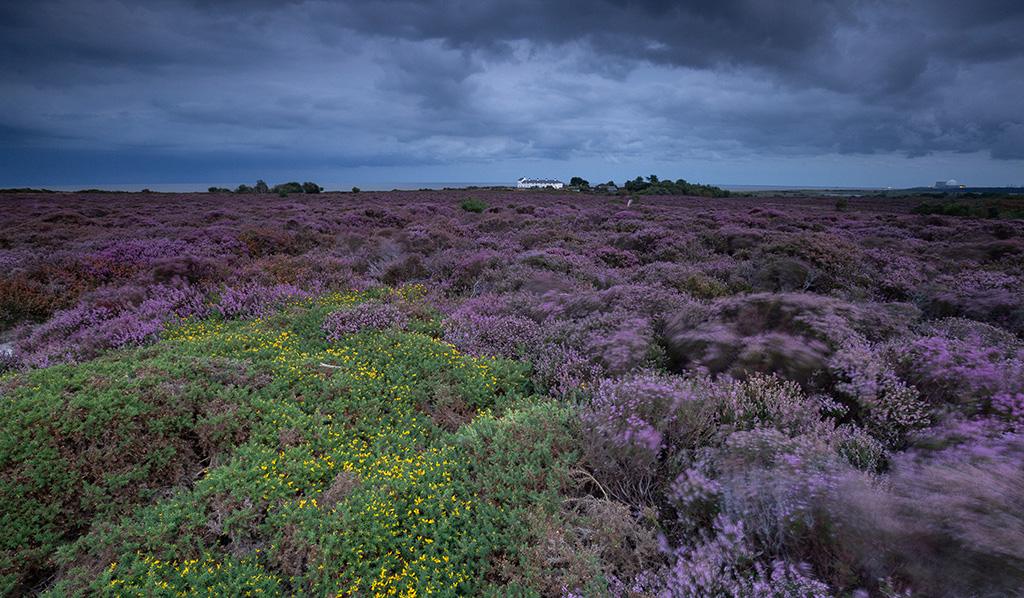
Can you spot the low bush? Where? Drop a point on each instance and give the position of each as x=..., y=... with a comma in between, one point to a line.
x=793, y=335
x=22, y=298
x=134, y=427
x=364, y=316
x=103, y=321
x=473, y=205
x=502, y=335
x=986, y=296
x=253, y=300
x=945, y=524
x=973, y=208
x=636, y=426
x=724, y=563
x=184, y=467
x=962, y=363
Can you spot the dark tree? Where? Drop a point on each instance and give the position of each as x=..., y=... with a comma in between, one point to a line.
x=286, y=188
x=637, y=184
x=655, y=186
x=261, y=187
x=309, y=187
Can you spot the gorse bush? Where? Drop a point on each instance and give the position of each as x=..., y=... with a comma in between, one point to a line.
x=274, y=496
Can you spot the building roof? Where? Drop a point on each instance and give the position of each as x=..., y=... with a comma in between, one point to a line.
x=541, y=181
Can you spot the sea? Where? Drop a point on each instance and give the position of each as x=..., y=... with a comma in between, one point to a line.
x=412, y=186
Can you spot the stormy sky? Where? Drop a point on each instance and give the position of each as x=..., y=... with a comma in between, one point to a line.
x=789, y=92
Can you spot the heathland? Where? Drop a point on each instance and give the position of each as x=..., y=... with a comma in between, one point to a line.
x=509, y=393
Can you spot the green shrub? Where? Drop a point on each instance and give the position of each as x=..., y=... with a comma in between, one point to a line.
x=238, y=457
x=85, y=443
x=473, y=205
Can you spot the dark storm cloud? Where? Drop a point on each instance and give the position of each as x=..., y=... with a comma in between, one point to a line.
x=800, y=39
x=692, y=33
x=369, y=82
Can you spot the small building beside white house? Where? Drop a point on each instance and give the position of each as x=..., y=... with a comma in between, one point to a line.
x=525, y=183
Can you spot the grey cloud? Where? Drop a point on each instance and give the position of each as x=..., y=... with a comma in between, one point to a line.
x=444, y=81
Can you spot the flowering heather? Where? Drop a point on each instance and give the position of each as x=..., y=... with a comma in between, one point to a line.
x=962, y=362
x=561, y=394
x=951, y=518
x=633, y=423
x=724, y=564
x=83, y=331
x=365, y=316
x=254, y=300
x=508, y=336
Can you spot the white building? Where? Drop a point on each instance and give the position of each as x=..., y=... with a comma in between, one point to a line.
x=525, y=183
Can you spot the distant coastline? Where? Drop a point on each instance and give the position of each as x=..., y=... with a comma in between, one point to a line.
x=438, y=185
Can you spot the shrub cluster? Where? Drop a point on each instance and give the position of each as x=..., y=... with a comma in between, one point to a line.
x=974, y=208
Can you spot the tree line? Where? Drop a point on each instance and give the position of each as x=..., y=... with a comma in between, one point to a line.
x=652, y=185
x=262, y=187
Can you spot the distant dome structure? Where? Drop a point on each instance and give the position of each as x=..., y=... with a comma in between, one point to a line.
x=952, y=183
